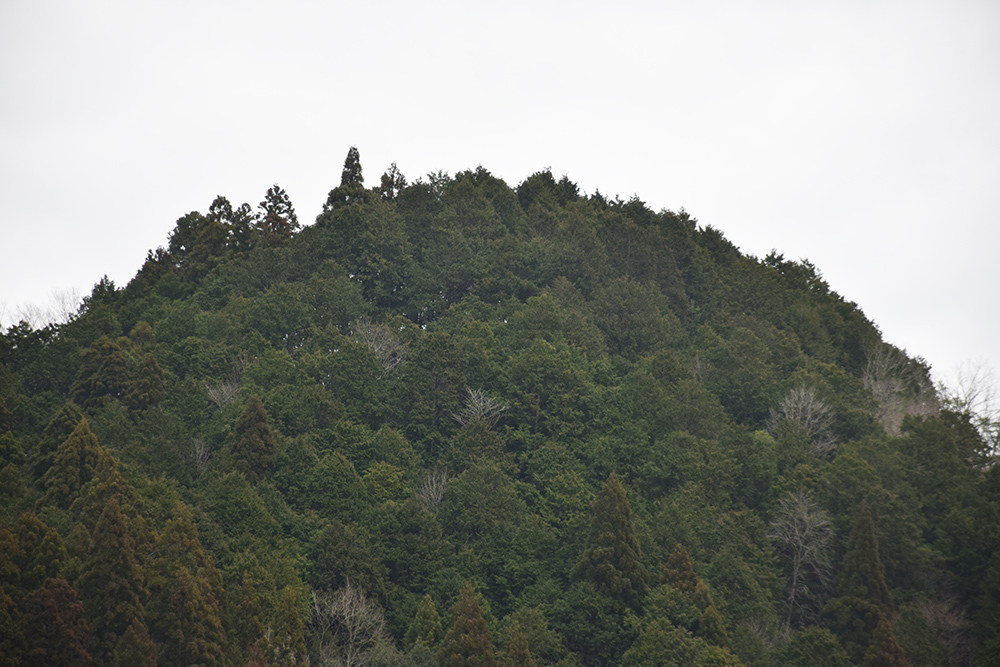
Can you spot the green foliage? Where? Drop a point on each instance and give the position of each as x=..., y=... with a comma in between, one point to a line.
x=255, y=446
x=613, y=559
x=469, y=642
x=425, y=628
x=55, y=625
x=111, y=582
x=813, y=646
x=452, y=368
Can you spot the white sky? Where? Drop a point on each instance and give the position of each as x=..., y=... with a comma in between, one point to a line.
x=861, y=135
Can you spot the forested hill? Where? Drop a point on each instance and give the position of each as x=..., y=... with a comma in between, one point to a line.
x=454, y=422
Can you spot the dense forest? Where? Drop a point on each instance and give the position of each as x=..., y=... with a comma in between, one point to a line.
x=455, y=423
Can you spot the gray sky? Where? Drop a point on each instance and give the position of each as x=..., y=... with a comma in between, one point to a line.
x=861, y=135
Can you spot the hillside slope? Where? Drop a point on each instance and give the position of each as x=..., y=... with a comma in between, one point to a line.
x=454, y=422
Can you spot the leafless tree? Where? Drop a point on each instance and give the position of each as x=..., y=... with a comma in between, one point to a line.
x=975, y=395
x=430, y=491
x=804, y=408
x=226, y=391
x=348, y=624
x=480, y=406
x=951, y=624
x=801, y=532
x=380, y=340
x=891, y=378
x=202, y=454
x=63, y=307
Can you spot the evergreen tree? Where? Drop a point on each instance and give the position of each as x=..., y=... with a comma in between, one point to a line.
x=194, y=634
x=244, y=617
x=884, y=650
x=516, y=653
x=863, y=599
x=812, y=647
x=60, y=427
x=613, y=561
x=425, y=627
x=42, y=552
x=12, y=640
x=104, y=373
x=352, y=184
x=277, y=221
x=287, y=644
x=862, y=574
x=136, y=648
x=111, y=583
x=256, y=448
x=679, y=574
x=76, y=463
x=469, y=642
x=55, y=626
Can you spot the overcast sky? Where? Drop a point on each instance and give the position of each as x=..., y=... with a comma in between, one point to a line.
x=861, y=135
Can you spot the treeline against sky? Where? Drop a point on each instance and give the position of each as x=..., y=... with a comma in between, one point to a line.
x=454, y=422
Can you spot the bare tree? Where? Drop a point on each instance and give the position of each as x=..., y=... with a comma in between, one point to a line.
x=202, y=453
x=348, y=624
x=480, y=406
x=430, y=491
x=975, y=395
x=898, y=388
x=805, y=409
x=226, y=391
x=380, y=340
x=801, y=532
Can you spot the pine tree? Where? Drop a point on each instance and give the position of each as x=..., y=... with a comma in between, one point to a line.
x=256, y=448
x=613, y=561
x=517, y=653
x=351, y=175
x=678, y=573
x=884, y=650
x=287, y=644
x=469, y=642
x=352, y=184
x=55, y=626
x=862, y=574
x=194, y=634
x=425, y=627
x=864, y=598
x=12, y=640
x=136, y=648
x=76, y=463
x=111, y=582
x=60, y=427
x=244, y=617
x=42, y=552
x=185, y=588
x=276, y=221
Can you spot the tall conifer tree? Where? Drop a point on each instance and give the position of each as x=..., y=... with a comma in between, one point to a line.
x=111, y=583
x=55, y=627
x=613, y=561
x=76, y=462
x=256, y=448
x=862, y=575
x=469, y=642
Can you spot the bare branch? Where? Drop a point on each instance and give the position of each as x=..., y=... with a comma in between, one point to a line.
x=898, y=390
x=975, y=395
x=202, y=454
x=225, y=392
x=430, y=491
x=380, y=340
x=801, y=532
x=480, y=406
x=804, y=408
x=348, y=624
